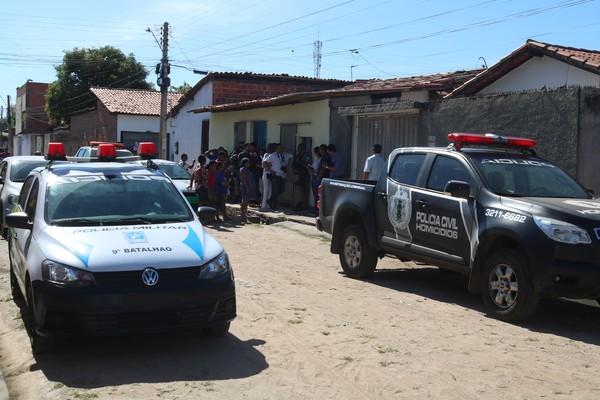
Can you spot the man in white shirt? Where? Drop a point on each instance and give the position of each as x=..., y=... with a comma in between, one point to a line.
x=279, y=161
x=375, y=165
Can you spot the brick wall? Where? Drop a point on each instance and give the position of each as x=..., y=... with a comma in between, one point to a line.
x=35, y=95
x=98, y=124
x=233, y=91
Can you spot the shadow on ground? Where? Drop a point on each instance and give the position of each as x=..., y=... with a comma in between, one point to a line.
x=105, y=362
x=574, y=320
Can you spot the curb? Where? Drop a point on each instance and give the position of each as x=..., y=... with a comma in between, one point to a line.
x=271, y=217
x=3, y=388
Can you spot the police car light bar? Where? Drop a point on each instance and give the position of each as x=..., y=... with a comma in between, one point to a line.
x=490, y=139
x=96, y=143
x=56, y=152
x=107, y=152
x=147, y=150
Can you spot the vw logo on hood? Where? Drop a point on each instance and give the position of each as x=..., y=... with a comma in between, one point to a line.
x=150, y=277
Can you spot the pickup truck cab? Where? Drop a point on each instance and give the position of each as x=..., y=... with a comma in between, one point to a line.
x=517, y=225
x=109, y=248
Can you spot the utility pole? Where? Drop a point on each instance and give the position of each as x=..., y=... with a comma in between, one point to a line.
x=317, y=56
x=164, y=83
x=10, y=129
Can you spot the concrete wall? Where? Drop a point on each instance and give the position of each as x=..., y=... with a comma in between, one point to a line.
x=136, y=123
x=543, y=72
x=185, y=128
x=565, y=122
x=312, y=117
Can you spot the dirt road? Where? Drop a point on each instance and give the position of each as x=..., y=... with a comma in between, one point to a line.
x=306, y=331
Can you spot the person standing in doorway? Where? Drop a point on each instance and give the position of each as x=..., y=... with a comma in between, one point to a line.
x=314, y=174
x=374, y=165
x=279, y=161
x=334, y=164
x=301, y=165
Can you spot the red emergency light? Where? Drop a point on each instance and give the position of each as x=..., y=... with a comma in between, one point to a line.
x=107, y=152
x=490, y=139
x=56, y=152
x=147, y=150
x=95, y=143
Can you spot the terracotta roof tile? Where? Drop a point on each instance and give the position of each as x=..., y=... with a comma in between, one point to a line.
x=442, y=83
x=582, y=58
x=133, y=101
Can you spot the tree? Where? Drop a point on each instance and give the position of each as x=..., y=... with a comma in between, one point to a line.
x=84, y=68
x=183, y=88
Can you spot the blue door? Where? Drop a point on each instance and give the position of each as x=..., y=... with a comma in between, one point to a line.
x=260, y=134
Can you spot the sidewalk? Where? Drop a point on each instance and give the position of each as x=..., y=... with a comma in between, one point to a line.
x=274, y=217
x=3, y=389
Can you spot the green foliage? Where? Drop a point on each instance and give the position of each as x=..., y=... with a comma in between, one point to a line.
x=183, y=88
x=84, y=68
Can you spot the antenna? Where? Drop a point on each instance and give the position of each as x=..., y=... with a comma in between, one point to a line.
x=317, y=57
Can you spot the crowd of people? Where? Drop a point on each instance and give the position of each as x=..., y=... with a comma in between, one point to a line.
x=257, y=178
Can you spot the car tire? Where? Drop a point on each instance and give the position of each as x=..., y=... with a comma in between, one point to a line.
x=218, y=330
x=358, y=258
x=507, y=287
x=39, y=344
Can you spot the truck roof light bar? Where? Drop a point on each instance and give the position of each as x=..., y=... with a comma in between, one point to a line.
x=490, y=139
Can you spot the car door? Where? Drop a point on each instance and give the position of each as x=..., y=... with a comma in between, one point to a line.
x=394, y=197
x=21, y=238
x=444, y=225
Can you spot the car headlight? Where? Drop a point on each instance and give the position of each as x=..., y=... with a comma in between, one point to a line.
x=562, y=232
x=64, y=275
x=219, y=266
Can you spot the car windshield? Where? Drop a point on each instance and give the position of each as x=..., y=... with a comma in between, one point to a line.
x=525, y=176
x=119, y=199
x=20, y=169
x=174, y=171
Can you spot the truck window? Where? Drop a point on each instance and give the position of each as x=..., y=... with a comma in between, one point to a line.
x=444, y=170
x=406, y=168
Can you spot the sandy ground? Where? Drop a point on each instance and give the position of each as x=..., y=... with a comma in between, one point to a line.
x=306, y=331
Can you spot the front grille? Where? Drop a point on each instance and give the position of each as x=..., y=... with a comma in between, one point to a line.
x=131, y=279
x=147, y=321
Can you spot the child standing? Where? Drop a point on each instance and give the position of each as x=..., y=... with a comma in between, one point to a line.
x=222, y=188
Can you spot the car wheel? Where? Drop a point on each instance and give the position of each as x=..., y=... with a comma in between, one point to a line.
x=357, y=257
x=39, y=344
x=218, y=330
x=507, y=288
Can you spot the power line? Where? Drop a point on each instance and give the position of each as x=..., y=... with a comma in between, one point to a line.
x=279, y=24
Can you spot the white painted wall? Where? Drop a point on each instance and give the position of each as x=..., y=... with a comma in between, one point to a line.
x=541, y=72
x=136, y=123
x=186, y=127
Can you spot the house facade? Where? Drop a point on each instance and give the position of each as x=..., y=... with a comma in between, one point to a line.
x=32, y=130
x=536, y=66
x=129, y=116
x=353, y=117
x=194, y=133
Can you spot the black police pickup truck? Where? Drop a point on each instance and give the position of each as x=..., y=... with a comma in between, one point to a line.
x=486, y=206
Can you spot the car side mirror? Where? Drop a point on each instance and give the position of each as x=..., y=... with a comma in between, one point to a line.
x=458, y=189
x=18, y=220
x=206, y=214
x=13, y=200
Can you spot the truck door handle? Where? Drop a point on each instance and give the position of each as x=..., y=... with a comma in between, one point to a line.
x=421, y=203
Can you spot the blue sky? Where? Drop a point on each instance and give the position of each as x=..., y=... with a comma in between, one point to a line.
x=381, y=38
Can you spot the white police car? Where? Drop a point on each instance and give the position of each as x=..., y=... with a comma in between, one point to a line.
x=106, y=248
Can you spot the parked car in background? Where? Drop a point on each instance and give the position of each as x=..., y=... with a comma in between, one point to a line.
x=180, y=177
x=90, y=153
x=13, y=171
x=487, y=206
